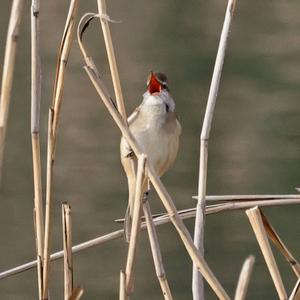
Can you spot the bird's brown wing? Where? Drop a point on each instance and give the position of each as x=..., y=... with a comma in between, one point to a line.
x=129, y=162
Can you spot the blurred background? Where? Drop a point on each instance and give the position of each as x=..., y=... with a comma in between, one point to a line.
x=254, y=147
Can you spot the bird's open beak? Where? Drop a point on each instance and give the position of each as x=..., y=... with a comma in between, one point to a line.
x=154, y=86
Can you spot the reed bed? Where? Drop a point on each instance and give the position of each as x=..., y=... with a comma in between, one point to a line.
x=142, y=216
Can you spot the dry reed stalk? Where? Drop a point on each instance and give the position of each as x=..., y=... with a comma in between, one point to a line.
x=136, y=225
x=160, y=220
x=167, y=201
x=274, y=237
x=227, y=206
x=236, y=205
x=35, y=134
x=63, y=56
x=262, y=238
x=122, y=290
x=8, y=70
x=104, y=19
x=46, y=253
x=197, y=285
x=244, y=279
x=67, y=244
x=40, y=275
x=39, y=261
x=76, y=294
x=248, y=197
x=295, y=295
x=156, y=253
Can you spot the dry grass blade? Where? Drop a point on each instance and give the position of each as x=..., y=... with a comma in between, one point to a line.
x=35, y=133
x=77, y=293
x=198, y=288
x=166, y=199
x=156, y=253
x=262, y=238
x=295, y=295
x=67, y=243
x=244, y=279
x=273, y=236
x=111, y=57
x=7, y=72
x=136, y=224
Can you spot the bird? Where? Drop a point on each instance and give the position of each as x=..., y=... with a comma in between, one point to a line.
x=156, y=128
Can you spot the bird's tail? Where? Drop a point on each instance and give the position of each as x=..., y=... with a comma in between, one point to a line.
x=129, y=210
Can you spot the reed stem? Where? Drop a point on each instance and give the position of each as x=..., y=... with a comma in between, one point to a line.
x=156, y=253
x=244, y=279
x=122, y=290
x=136, y=224
x=8, y=70
x=48, y=219
x=67, y=244
x=197, y=284
x=256, y=222
x=35, y=134
x=111, y=57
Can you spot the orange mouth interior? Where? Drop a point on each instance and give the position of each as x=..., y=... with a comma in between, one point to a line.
x=154, y=85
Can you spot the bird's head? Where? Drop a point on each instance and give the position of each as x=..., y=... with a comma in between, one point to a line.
x=157, y=82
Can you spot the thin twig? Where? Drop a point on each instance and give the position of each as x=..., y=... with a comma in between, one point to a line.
x=7, y=72
x=166, y=199
x=156, y=253
x=262, y=239
x=244, y=279
x=35, y=134
x=198, y=288
x=111, y=58
x=136, y=224
x=67, y=243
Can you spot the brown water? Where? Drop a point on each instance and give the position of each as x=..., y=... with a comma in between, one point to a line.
x=254, y=145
